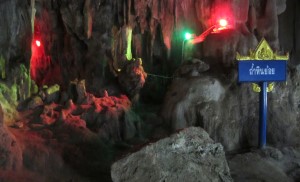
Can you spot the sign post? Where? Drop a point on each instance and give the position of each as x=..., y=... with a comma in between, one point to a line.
x=264, y=67
x=263, y=101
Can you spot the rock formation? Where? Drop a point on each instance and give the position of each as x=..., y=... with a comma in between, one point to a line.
x=59, y=62
x=10, y=150
x=189, y=155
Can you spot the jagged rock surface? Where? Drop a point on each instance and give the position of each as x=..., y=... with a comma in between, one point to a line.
x=189, y=155
x=132, y=78
x=229, y=112
x=84, y=50
x=185, y=95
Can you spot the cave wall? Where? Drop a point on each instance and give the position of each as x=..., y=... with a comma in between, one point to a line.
x=88, y=39
x=289, y=23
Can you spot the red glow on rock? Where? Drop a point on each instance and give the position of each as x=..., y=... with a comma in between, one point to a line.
x=38, y=43
x=222, y=16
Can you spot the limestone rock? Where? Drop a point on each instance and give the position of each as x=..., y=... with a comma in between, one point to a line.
x=185, y=94
x=189, y=155
x=132, y=77
x=81, y=91
x=259, y=165
x=191, y=68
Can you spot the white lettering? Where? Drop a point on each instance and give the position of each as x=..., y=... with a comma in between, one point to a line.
x=257, y=70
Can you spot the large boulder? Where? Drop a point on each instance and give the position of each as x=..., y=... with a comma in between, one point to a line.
x=185, y=94
x=269, y=164
x=229, y=111
x=190, y=155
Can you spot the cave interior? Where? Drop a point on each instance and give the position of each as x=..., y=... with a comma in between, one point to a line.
x=146, y=90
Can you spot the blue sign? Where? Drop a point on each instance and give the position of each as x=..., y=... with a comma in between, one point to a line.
x=262, y=71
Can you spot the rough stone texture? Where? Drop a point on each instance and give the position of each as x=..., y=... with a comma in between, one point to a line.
x=15, y=38
x=189, y=155
x=85, y=39
x=289, y=26
x=132, y=78
x=269, y=164
x=84, y=137
x=76, y=35
x=191, y=68
x=232, y=117
x=10, y=151
x=185, y=95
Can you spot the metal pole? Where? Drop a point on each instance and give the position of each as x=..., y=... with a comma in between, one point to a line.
x=182, y=51
x=263, y=115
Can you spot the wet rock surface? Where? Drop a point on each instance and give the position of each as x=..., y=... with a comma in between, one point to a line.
x=189, y=155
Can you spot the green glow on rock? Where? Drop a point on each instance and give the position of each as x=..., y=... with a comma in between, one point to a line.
x=53, y=89
x=2, y=67
x=129, y=40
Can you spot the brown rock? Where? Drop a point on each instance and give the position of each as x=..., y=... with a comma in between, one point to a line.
x=132, y=77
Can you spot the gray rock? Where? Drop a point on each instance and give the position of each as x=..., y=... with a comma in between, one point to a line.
x=268, y=164
x=191, y=68
x=190, y=155
x=185, y=95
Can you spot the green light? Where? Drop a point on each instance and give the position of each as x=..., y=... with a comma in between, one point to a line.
x=129, y=40
x=188, y=36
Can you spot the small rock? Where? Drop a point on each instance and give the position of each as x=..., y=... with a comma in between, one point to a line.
x=191, y=68
x=18, y=124
x=273, y=153
x=52, y=93
x=35, y=102
x=81, y=91
x=36, y=126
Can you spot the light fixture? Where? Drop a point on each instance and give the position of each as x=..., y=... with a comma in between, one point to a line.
x=223, y=23
x=38, y=43
x=187, y=37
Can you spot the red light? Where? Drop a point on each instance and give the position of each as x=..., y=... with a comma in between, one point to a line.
x=223, y=23
x=38, y=43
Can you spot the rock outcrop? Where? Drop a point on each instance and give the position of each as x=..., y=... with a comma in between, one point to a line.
x=189, y=155
x=132, y=78
x=269, y=164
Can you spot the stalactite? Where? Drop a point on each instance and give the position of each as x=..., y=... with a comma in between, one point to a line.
x=33, y=11
x=88, y=19
x=2, y=67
